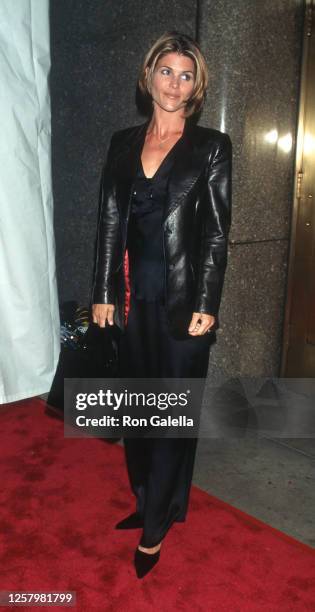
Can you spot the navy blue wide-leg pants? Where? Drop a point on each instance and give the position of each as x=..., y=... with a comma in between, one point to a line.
x=160, y=469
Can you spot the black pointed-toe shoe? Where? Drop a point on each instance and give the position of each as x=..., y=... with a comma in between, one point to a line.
x=133, y=521
x=144, y=562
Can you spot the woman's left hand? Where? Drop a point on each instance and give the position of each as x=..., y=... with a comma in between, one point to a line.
x=200, y=323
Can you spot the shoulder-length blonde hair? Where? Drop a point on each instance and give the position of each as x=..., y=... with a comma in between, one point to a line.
x=171, y=42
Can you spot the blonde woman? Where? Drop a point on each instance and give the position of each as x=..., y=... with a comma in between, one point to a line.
x=160, y=265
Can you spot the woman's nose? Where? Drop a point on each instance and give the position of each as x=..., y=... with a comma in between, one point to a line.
x=175, y=81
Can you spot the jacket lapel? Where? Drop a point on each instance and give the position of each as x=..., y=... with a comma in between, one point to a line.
x=127, y=155
x=125, y=166
x=188, y=165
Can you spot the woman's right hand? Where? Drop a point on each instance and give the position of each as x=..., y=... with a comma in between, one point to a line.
x=102, y=313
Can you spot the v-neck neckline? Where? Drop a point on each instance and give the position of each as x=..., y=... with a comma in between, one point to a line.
x=150, y=178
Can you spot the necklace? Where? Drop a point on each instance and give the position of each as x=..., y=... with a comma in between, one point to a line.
x=161, y=142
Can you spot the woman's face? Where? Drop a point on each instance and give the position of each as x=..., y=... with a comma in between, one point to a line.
x=173, y=81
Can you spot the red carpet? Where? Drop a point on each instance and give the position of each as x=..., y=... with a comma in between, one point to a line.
x=60, y=499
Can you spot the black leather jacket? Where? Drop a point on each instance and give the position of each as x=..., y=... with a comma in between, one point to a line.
x=197, y=219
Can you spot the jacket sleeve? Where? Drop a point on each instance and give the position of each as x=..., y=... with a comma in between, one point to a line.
x=107, y=241
x=216, y=221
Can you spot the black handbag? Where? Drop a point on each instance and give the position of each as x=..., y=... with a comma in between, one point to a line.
x=86, y=351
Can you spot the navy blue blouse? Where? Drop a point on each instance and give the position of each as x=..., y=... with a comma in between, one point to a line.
x=145, y=231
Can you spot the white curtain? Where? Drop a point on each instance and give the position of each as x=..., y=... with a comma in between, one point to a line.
x=29, y=317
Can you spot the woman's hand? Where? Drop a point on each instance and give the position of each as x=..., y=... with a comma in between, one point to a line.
x=200, y=323
x=102, y=313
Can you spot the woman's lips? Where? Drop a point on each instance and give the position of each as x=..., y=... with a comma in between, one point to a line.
x=172, y=97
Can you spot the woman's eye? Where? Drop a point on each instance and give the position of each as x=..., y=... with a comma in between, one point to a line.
x=185, y=77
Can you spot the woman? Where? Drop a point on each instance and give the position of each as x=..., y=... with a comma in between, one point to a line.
x=161, y=258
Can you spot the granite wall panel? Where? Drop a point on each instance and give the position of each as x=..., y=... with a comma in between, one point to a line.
x=253, y=50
